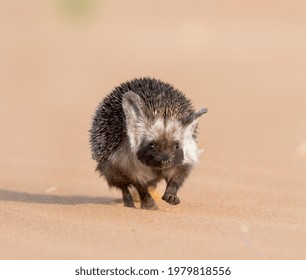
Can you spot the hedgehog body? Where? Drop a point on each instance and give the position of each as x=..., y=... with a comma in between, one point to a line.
x=144, y=131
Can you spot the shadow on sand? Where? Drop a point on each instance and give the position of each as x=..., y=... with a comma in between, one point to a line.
x=6, y=195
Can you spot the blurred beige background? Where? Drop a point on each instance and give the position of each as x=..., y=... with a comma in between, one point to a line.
x=244, y=60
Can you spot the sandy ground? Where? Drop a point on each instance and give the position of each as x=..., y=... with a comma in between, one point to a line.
x=246, y=62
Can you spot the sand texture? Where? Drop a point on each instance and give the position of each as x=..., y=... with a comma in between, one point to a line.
x=245, y=61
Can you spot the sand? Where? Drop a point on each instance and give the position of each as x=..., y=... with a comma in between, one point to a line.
x=246, y=199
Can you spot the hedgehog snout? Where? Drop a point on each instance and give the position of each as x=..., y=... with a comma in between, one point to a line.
x=165, y=159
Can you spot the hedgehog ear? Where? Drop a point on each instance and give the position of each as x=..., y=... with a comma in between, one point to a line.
x=192, y=117
x=137, y=117
x=190, y=122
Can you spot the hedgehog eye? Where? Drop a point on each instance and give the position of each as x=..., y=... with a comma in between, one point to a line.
x=152, y=146
x=176, y=145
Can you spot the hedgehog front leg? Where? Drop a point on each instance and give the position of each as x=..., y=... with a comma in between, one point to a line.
x=174, y=182
x=147, y=202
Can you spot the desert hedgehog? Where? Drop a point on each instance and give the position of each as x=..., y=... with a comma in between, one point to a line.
x=142, y=132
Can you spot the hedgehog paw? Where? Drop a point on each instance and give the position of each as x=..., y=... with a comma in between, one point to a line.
x=171, y=198
x=149, y=205
x=129, y=203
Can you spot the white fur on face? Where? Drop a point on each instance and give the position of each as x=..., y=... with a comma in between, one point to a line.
x=170, y=129
x=173, y=130
x=140, y=128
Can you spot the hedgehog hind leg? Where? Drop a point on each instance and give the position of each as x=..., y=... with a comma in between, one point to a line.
x=116, y=179
x=127, y=197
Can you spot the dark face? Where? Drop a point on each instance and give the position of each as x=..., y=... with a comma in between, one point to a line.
x=160, y=154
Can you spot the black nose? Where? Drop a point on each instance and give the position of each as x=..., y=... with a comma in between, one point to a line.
x=165, y=160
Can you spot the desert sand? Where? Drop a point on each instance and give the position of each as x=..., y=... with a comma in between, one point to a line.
x=245, y=61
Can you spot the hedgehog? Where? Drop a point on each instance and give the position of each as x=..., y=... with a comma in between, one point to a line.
x=142, y=132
